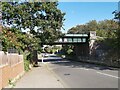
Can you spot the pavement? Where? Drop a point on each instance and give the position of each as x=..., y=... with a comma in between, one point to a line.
x=39, y=77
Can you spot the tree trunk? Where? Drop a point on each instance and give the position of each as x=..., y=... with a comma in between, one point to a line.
x=35, y=58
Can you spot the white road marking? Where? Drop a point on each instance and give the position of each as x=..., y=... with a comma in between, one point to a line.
x=84, y=68
x=108, y=75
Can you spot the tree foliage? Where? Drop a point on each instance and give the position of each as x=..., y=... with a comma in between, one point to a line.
x=85, y=28
x=105, y=28
x=43, y=19
x=41, y=22
x=78, y=29
x=117, y=40
x=12, y=37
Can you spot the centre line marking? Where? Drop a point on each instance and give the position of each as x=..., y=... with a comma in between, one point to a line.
x=108, y=75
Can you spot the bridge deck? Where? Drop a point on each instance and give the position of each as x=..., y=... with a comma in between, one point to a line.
x=71, y=39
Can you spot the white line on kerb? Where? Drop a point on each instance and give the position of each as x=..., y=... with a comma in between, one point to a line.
x=108, y=75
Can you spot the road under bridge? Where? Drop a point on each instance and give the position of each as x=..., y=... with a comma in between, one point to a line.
x=79, y=41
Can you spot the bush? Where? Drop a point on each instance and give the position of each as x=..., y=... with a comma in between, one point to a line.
x=69, y=51
x=26, y=65
x=26, y=61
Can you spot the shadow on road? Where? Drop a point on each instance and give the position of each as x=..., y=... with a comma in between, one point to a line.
x=76, y=64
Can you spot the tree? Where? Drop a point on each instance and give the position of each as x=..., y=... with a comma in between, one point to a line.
x=43, y=19
x=43, y=15
x=107, y=28
x=117, y=41
x=85, y=28
x=78, y=29
x=92, y=25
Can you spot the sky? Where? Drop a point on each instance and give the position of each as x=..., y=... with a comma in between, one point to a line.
x=82, y=12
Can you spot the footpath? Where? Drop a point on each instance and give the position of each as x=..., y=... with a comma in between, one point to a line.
x=39, y=77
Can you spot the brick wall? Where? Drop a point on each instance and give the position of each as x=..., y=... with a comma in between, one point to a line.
x=17, y=69
x=0, y=78
x=5, y=75
x=11, y=66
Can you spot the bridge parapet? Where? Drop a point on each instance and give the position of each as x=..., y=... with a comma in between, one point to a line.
x=73, y=38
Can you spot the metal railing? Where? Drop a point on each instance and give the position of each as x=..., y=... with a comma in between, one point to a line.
x=12, y=50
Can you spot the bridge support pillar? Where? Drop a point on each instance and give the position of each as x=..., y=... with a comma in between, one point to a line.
x=81, y=50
